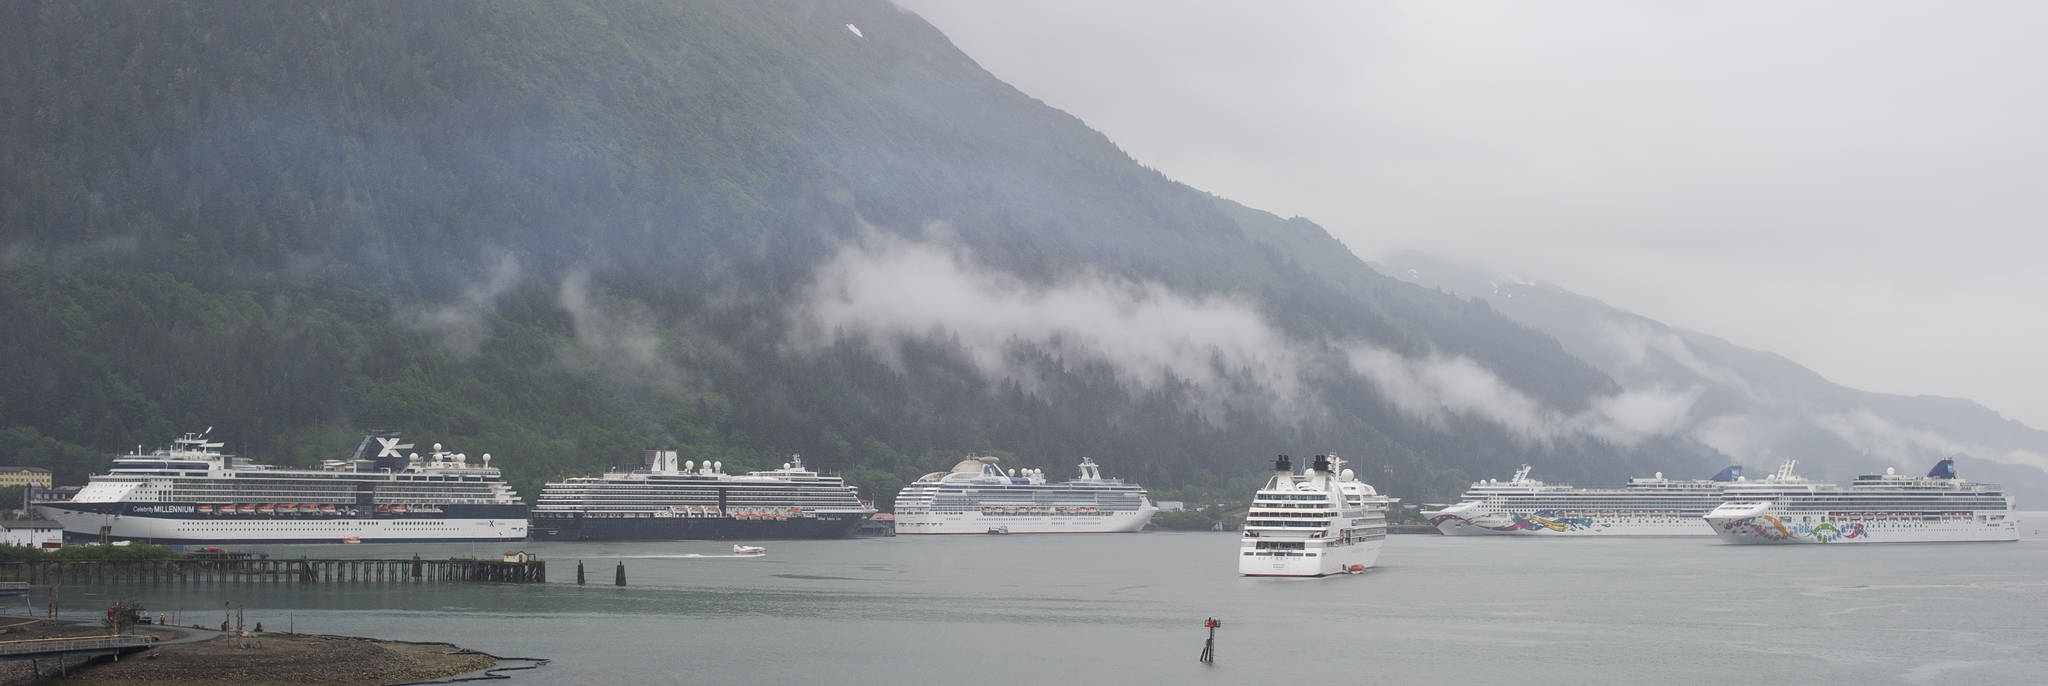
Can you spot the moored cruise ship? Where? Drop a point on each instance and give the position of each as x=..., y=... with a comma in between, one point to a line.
x=670, y=501
x=1521, y=506
x=976, y=497
x=1875, y=508
x=1322, y=522
x=194, y=493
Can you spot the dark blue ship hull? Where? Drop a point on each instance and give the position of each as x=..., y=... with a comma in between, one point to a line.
x=580, y=528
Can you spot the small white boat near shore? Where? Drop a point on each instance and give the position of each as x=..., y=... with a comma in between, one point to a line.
x=738, y=549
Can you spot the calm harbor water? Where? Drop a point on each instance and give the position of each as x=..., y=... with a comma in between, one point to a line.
x=1128, y=609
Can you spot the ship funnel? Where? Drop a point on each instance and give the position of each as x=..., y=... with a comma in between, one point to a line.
x=1945, y=469
x=1322, y=464
x=1732, y=473
x=1281, y=465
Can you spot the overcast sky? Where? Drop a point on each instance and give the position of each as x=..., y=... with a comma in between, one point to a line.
x=1856, y=186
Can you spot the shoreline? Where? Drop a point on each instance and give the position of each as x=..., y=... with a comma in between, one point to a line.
x=204, y=657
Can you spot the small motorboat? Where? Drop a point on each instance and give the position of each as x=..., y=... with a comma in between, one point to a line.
x=351, y=539
x=998, y=530
x=738, y=549
x=1355, y=569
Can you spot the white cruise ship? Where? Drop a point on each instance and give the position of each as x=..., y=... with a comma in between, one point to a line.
x=1876, y=508
x=976, y=497
x=1522, y=506
x=194, y=493
x=671, y=500
x=1322, y=522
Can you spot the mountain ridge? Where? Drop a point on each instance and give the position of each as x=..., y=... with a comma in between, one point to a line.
x=1768, y=407
x=564, y=232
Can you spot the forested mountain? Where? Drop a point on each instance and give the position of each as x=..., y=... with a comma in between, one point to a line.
x=563, y=232
x=1755, y=405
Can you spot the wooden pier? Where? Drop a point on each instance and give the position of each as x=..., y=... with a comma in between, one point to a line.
x=298, y=571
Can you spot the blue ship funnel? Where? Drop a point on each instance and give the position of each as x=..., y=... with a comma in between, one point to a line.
x=1945, y=469
x=1733, y=472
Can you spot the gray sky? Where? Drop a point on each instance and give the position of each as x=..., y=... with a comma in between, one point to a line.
x=1856, y=186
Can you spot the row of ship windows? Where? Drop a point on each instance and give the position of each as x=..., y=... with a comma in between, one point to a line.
x=956, y=509
x=700, y=497
x=334, y=525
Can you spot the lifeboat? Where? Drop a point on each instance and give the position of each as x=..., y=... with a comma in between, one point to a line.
x=327, y=509
x=245, y=508
x=351, y=539
x=397, y=508
x=1355, y=569
x=205, y=509
x=266, y=508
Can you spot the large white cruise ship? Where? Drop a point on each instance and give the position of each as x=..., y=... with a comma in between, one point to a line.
x=1522, y=506
x=1322, y=522
x=1876, y=508
x=976, y=497
x=681, y=501
x=194, y=493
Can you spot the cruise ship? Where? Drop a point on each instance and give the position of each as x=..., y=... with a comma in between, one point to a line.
x=1322, y=522
x=191, y=492
x=1875, y=508
x=671, y=501
x=976, y=497
x=1521, y=506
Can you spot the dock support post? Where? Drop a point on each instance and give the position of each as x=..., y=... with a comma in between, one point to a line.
x=579, y=572
x=620, y=578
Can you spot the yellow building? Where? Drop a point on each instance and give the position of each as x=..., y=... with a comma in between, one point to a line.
x=24, y=476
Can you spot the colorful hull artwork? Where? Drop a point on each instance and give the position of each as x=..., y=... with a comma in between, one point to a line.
x=1544, y=519
x=1771, y=528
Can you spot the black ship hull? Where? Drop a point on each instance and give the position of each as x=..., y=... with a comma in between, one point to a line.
x=580, y=528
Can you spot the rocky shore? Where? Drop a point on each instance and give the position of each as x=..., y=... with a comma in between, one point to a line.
x=206, y=658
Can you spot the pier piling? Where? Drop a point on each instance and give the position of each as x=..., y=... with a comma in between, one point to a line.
x=620, y=580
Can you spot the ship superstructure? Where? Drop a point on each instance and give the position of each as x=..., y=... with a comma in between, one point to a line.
x=192, y=492
x=1522, y=506
x=976, y=497
x=1875, y=508
x=668, y=500
x=1323, y=521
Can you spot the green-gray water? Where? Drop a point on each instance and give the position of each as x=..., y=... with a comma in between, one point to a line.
x=1128, y=609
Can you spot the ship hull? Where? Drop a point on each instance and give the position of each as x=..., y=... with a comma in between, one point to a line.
x=184, y=524
x=579, y=528
x=1775, y=528
x=1313, y=562
x=1536, y=524
x=977, y=523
